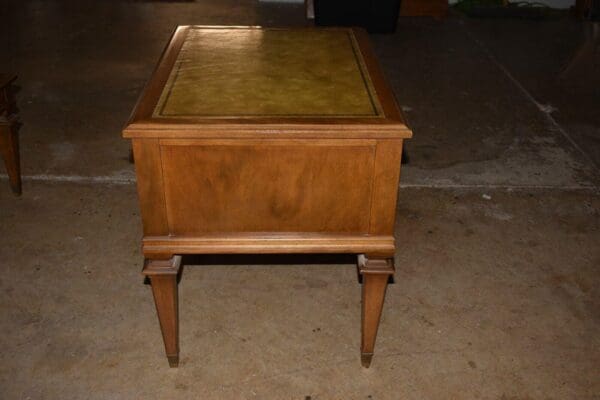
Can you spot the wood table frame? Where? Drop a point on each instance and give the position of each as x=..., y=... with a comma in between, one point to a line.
x=360, y=156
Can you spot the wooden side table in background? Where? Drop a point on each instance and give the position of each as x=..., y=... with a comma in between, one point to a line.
x=9, y=141
x=424, y=8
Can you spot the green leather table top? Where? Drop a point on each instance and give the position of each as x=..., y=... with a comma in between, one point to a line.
x=257, y=72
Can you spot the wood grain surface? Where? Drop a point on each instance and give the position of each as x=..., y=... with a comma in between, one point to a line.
x=267, y=187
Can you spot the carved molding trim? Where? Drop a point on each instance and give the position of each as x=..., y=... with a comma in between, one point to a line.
x=380, y=266
x=162, y=267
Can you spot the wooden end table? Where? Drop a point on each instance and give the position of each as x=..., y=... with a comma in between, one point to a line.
x=9, y=140
x=259, y=140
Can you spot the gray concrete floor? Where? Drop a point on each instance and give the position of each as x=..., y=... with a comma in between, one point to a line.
x=496, y=296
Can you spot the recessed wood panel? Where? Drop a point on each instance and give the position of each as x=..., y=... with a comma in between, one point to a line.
x=267, y=187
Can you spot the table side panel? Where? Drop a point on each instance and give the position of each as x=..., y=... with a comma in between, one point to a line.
x=150, y=186
x=268, y=185
x=385, y=186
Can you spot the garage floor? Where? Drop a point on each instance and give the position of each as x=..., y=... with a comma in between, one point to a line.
x=497, y=294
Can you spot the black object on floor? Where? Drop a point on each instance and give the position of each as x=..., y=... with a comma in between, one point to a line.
x=594, y=13
x=377, y=16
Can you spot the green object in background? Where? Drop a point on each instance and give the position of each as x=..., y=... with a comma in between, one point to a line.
x=506, y=9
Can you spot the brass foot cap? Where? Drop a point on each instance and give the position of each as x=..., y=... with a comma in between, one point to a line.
x=365, y=359
x=173, y=361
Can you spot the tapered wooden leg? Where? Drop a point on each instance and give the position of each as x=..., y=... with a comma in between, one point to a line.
x=163, y=278
x=9, y=149
x=375, y=274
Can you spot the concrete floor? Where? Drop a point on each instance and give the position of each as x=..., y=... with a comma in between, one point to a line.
x=497, y=294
